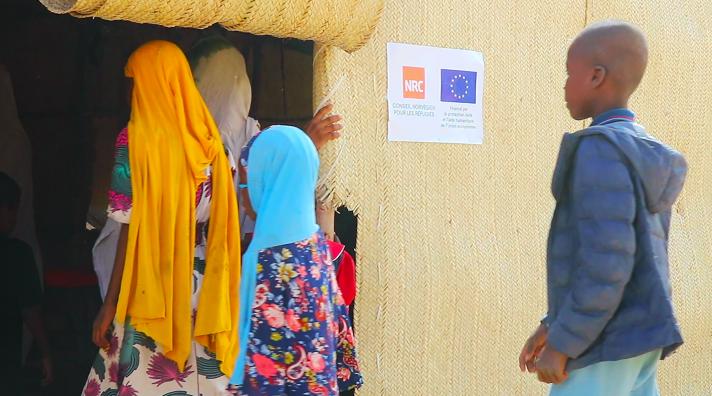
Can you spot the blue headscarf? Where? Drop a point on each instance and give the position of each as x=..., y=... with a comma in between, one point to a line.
x=282, y=171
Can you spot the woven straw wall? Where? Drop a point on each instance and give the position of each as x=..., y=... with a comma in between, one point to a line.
x=346, y=24
x=451, y=248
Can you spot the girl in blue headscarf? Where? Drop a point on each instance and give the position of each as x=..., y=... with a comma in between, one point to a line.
x=295, y=335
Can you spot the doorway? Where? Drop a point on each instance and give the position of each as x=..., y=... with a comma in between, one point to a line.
x=68, y=81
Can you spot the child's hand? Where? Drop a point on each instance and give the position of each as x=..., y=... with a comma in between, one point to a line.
x=324, y=128
x=551, y=366
x=532, y=348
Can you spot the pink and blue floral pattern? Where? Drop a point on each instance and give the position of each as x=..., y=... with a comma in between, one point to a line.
x=301, y=342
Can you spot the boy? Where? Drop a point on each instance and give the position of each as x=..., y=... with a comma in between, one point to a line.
x=20, y=294
x=610, y=318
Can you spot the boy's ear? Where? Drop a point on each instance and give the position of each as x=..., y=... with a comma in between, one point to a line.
x=599, y=75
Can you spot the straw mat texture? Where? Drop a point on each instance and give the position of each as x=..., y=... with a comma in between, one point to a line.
x=451, y=248
x=346, y=24
x=451, y=244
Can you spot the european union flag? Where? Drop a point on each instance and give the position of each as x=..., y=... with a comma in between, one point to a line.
x=457, y=86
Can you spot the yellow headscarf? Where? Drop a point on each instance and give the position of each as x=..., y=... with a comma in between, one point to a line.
x=172, y=140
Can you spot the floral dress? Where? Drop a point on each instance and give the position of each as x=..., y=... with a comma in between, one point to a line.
x=134, y=364
x=301, y=341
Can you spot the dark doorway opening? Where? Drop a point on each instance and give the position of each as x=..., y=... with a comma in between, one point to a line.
x=68, y=83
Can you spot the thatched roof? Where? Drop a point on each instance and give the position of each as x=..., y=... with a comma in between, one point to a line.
x=347, y=24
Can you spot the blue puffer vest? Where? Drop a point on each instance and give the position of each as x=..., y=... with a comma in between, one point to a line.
x=607, y=256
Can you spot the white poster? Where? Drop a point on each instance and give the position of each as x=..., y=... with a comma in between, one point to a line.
x=434, y=94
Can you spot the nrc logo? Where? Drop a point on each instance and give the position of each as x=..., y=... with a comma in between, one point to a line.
x=413, y=82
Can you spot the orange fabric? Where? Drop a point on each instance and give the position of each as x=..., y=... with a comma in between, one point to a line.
x=173, y=139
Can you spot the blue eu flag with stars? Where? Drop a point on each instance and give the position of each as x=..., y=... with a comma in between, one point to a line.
x=457, y=86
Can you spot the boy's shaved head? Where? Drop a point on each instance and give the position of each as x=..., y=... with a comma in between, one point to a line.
x=619, y=47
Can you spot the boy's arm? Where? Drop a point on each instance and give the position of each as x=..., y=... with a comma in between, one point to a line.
x=31, y=297
x=605, y=208
x=32, y=316
x=31, y=300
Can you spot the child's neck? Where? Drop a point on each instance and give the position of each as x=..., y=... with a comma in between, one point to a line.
x=608, y=105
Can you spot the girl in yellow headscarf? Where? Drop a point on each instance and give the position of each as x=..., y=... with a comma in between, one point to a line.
x=169, y=319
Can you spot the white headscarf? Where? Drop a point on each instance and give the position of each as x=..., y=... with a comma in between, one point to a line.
x=221, y=76
x=16, y=162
